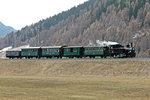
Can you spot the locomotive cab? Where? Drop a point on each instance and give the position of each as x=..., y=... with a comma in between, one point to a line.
x=117, y=51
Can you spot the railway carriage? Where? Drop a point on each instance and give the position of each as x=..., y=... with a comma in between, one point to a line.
x=11, y=54
x=31, y=52
x=92, y=52
x=52, y=51
x=73, y=51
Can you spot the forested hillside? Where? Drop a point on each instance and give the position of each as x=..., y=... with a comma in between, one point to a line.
x=4, y=30
x=122, y=21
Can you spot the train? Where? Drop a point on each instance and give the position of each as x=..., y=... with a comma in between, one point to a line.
x=103, y=51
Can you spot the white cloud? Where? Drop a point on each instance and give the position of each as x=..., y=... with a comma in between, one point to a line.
x=19, y=13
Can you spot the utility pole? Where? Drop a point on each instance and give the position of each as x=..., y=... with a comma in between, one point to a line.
x=38, y=36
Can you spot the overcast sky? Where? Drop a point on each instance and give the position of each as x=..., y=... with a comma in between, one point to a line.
x=19, y=13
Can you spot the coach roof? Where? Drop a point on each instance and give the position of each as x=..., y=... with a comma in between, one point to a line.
x=32, y=48
x=51, y=47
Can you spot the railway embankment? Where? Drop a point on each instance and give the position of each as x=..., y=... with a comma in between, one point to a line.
x=50, y=68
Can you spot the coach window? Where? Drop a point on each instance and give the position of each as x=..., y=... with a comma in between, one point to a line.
x=44, y=50
x=54, y=50
x=71, y=50
x=94, y=49
x=57, y=50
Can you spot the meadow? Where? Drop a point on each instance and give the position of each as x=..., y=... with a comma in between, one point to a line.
x=74, y=80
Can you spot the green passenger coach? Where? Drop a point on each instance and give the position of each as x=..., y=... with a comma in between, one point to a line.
x=96, y=51
x=52, y=51
x=73, y=51
x=31, y=52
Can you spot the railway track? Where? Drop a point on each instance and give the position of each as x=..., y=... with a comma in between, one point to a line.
x=81, y=59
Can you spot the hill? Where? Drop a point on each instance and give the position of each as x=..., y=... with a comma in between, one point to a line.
x=4, y=30
x=122, y=21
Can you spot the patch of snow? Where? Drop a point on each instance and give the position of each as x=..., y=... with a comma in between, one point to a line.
x=5, y=49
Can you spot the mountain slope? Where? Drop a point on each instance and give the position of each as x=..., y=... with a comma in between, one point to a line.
x=122, y=21
x=4, y=30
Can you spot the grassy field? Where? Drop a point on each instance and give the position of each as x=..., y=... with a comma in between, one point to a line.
x=75, y=80
x=73, y=88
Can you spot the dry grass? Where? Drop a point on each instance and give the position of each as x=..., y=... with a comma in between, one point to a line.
x=75, y=80
x=73, y=88
x=76, y=68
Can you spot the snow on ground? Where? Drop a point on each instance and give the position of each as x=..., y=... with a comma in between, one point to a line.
x=5, y=49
